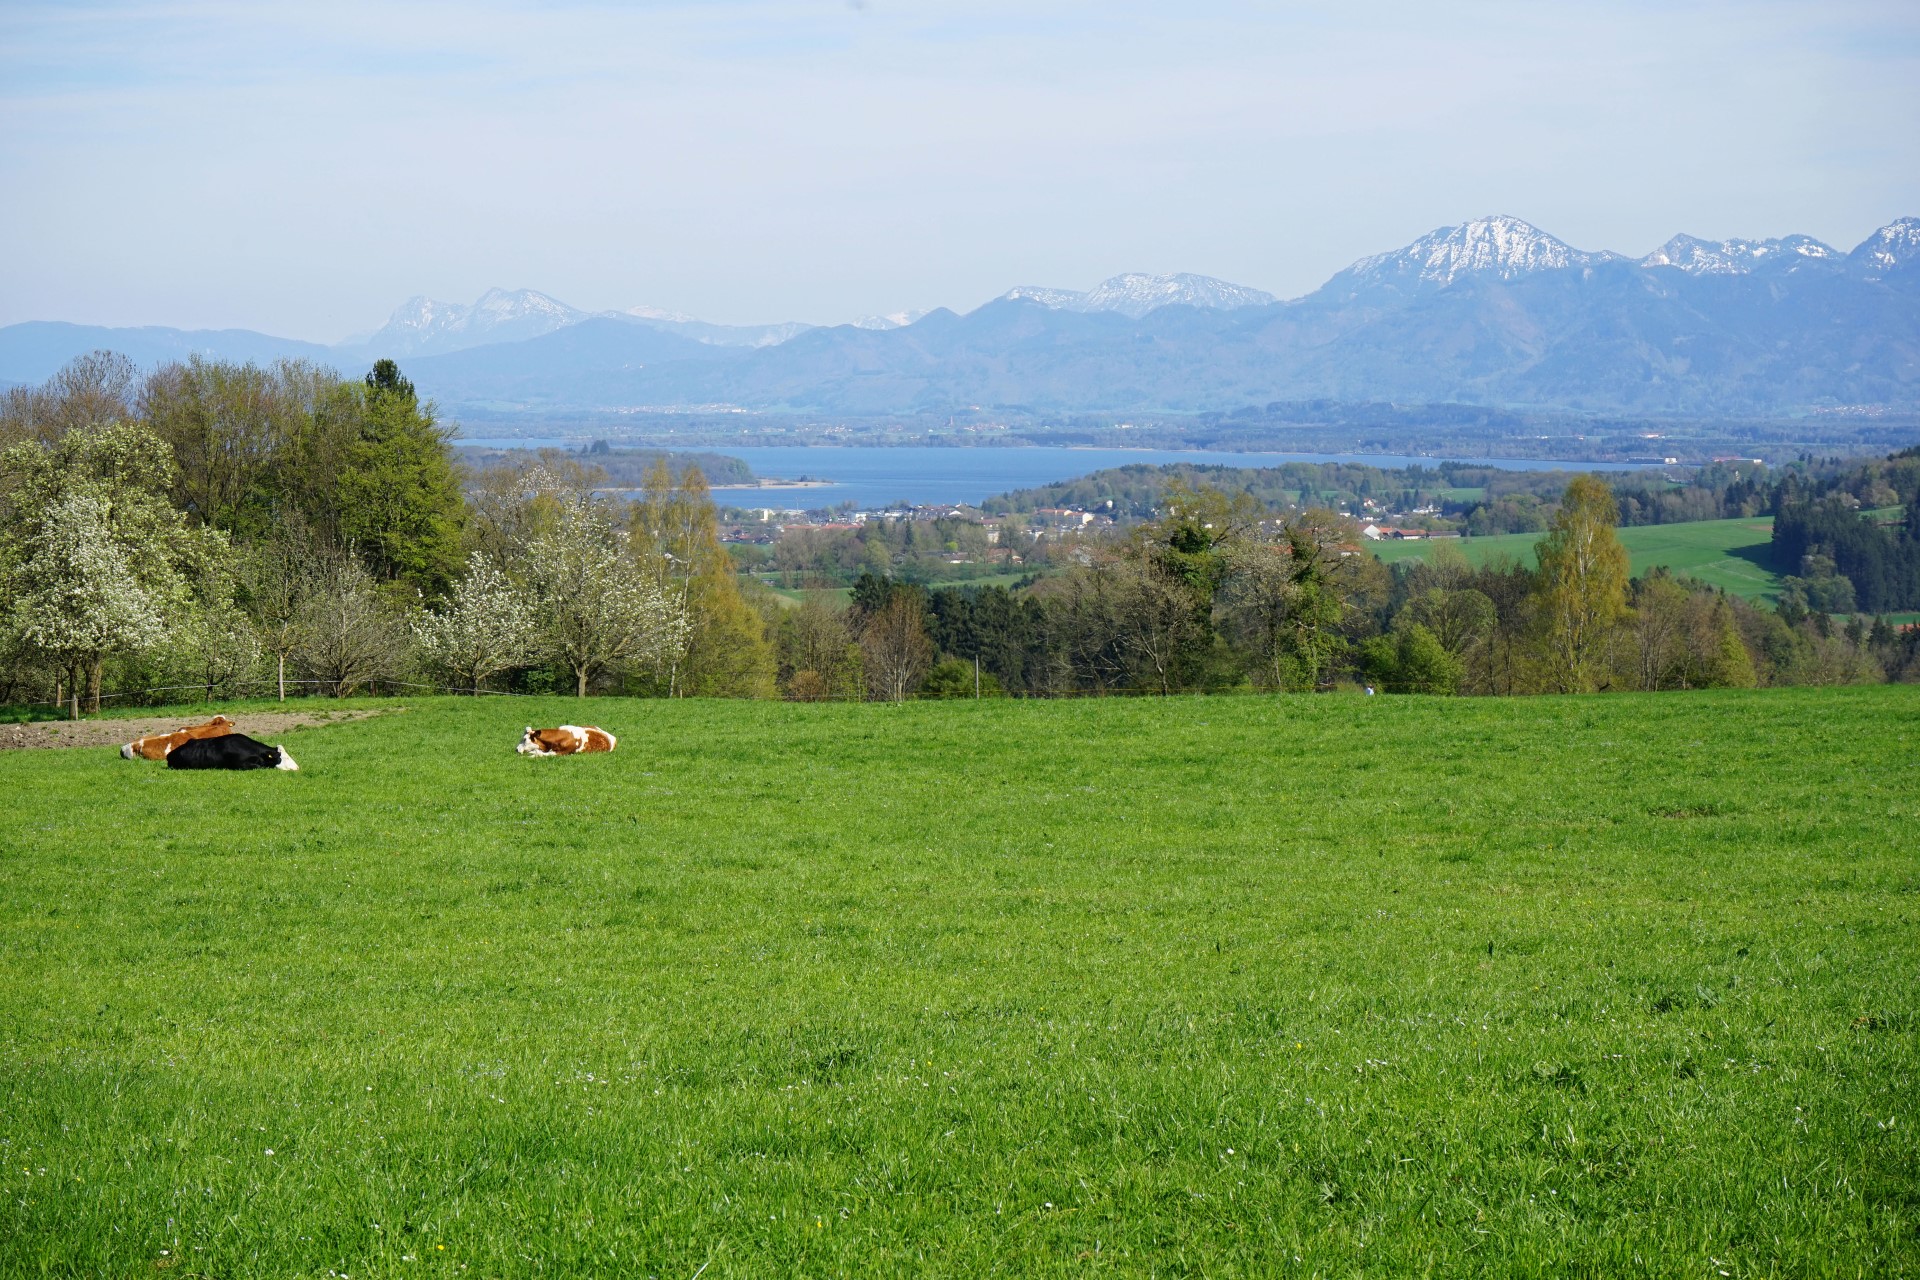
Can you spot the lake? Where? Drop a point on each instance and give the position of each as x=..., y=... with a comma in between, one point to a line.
x=877, y=476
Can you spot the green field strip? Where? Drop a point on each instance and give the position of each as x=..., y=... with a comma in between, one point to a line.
x=1729, y=554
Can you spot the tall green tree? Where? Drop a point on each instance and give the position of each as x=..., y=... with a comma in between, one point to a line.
x=399, y=502
x=1583, y=584
x=675, y=529
x=1310, y=639
x=819, y=656
x=229, y=426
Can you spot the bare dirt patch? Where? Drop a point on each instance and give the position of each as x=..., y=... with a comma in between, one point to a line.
x=112, y=733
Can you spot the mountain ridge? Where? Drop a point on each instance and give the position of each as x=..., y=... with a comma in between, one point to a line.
x=1492, y=311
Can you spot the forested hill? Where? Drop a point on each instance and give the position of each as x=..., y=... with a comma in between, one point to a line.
x=1852, y=540
x=1473, y=499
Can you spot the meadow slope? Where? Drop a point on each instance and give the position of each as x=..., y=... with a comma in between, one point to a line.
x=1734, y=555
x=1239, y=986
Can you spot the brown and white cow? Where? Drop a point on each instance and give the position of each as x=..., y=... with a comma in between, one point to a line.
x=567, y=740
x=157, y=746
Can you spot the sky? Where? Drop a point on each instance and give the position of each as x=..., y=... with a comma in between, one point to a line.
x=303, y=169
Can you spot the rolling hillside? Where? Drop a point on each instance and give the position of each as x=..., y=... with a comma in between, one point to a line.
x=1735, y=555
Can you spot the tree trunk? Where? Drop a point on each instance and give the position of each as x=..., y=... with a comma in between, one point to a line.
x=283, y=676
x=580, y=689
x=93, y=686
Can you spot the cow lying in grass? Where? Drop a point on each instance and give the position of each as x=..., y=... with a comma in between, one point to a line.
x=229, y=751
x=567, y=740
x=157, y=746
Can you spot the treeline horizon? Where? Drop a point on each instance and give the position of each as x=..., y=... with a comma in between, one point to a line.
x=216, y=526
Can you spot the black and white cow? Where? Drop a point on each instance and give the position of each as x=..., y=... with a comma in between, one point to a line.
x=229, y=751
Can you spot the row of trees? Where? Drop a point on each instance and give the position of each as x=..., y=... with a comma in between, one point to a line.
x=214, y=525
x=1217, y=594
x=217, y=526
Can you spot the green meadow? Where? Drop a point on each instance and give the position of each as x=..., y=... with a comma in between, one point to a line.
x=1734, y=555
x=1316, y=986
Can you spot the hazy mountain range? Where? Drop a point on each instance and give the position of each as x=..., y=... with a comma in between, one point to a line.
x=1494, y=311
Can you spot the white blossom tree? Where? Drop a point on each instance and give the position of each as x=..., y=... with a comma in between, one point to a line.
x=85, y=525
x=77, y=598
x=598, y=608
x=487, y=627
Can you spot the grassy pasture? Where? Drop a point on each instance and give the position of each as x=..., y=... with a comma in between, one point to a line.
x=1733, y=554
x=1617, y=986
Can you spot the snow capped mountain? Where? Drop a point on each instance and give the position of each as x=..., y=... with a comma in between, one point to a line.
x=1058, y=299
x=1892, y=247
x=1134, y=294
x=423, y=326
x=1734, y=257
x=1499, y=245
x=892, y=320
x=655, y=313
x=1508, y=248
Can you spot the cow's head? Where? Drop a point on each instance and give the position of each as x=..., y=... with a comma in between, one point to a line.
x=286, y=761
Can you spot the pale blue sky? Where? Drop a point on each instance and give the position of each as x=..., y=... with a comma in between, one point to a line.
x=301, y=169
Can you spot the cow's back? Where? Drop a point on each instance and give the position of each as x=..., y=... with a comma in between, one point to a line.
x=225, y=751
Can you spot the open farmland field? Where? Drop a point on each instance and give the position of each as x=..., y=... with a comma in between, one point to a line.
x=1731, y=554
x=1617, y=986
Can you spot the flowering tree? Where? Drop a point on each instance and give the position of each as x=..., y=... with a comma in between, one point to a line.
x=487, y=627
x=77, y=599
x=598, y=608
x=100, y=558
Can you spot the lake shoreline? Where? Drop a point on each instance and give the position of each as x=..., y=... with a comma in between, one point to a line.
x=873, y=477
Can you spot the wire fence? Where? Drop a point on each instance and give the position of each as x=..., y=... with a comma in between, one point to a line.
x=228, y=690
x=232, y=690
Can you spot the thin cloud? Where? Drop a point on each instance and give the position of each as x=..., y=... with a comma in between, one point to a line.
x=303, y=169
